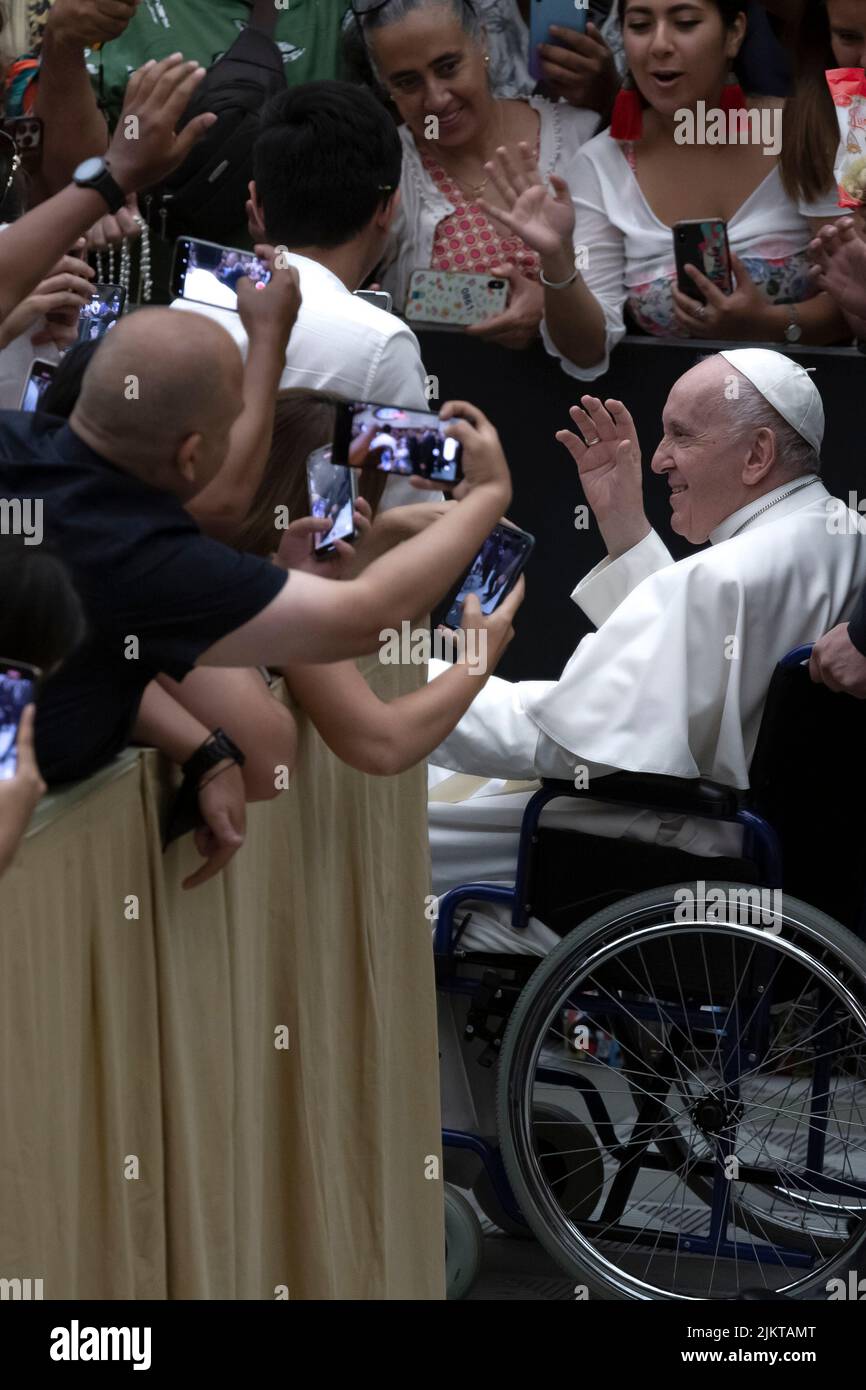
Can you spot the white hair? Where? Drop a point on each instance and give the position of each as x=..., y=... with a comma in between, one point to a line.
x=794, y=454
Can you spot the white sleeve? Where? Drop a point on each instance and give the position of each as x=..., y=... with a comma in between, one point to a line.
x=399, y=377
x=824, y=209
x=599, y=249
x=496, y=738
x=602, y=591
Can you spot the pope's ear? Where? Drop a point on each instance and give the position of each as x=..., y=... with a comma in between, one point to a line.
x=763, y=456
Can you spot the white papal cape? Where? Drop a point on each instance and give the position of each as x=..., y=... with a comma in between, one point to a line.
x=673, y=681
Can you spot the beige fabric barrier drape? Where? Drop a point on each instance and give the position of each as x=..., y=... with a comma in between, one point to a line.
x=154, y=1142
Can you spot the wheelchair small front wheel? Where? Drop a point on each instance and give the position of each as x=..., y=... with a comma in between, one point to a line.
x=464, y=1247
x=717, y=1061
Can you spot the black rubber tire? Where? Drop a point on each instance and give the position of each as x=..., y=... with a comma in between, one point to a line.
x=556, y=966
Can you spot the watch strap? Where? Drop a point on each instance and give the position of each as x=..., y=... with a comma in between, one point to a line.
x=185, y=814
x=106, y=186
x=215, y=749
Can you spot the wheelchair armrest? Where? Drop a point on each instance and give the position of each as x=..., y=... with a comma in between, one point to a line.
x=653, y=792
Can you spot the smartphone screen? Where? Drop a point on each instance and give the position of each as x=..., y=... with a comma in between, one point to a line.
x=209, y=274
x=397, y=441
x=492, y=574
x=102, y=313
x=331, y=488
x=39, y=378
x=17, y=687
x=705, y=246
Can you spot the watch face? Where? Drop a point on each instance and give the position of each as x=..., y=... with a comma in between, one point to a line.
x=90, y=169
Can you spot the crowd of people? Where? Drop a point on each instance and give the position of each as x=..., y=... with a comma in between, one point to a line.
x=177, y=574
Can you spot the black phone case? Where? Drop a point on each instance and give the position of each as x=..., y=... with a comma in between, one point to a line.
x=439, y=614
x=694, y=244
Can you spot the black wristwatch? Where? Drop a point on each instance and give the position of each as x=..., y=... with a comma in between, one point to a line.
x=214, y=750
x=94, y=173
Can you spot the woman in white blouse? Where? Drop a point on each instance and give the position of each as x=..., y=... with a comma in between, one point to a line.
x=613, y=217
x=431, y=57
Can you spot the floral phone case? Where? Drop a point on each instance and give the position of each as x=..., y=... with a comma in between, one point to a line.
x=454, y=297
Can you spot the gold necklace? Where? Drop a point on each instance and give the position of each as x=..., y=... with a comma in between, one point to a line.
x=475, y=190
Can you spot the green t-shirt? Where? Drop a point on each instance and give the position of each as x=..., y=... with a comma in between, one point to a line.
x=307, y=35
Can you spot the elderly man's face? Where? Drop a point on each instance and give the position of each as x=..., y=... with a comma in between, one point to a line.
x=703, y=452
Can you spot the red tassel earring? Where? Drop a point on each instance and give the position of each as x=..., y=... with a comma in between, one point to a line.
x=734, y=98
x=626, y=122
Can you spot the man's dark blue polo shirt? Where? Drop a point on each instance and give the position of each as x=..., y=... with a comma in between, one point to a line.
x=156, y=592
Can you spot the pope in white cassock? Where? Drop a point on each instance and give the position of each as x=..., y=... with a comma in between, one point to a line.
x=675, y=677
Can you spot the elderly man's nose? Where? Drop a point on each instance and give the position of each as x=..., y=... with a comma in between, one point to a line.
x=661, y=460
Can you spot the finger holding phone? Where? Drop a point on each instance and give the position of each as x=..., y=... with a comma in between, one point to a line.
x=740, y=315
x=498, y=625
x=59, y=299
x=270, y=309
x=518, y=325
x=483, y=459
x=579, y=68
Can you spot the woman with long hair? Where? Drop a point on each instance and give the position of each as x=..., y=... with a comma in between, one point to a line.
x=606, y=238
x=831, y=34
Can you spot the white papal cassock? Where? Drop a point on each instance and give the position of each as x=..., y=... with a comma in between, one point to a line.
x=673, y=681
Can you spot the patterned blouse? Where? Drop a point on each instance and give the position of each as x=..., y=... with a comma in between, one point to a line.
x=467, y=240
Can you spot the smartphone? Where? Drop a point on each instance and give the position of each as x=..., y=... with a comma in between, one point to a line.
x=396, y=441
x=564, y=14
x=381, y=298
x=17, y=690
x=208, y=273
x=492, y=574
x=454, y=297
x=103, y=311
x=704, y=245
x=332, y=491
x=26, y=131
x=39, y=378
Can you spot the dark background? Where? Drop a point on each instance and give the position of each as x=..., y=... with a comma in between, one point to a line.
x=527, y=396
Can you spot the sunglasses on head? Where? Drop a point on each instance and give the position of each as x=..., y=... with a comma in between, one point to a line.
x=362, y=8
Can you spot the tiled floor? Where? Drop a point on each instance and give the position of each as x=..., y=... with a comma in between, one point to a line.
x=519, y=1270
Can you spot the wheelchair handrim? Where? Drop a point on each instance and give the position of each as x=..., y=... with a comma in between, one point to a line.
x=631, y=931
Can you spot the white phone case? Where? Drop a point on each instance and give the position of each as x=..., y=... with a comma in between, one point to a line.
x=454, y=297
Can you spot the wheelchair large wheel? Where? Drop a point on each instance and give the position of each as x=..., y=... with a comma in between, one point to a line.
x=732, y=1123
x=557, y=1135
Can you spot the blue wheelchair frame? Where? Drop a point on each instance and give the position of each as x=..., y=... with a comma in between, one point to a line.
x=762, y=847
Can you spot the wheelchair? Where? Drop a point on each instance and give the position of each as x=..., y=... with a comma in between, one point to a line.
x=680, y=1103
